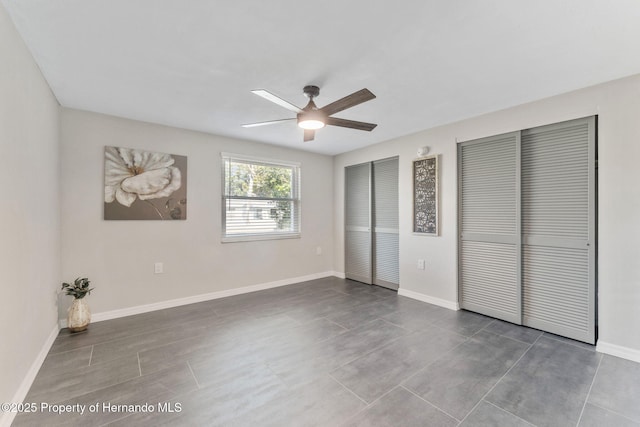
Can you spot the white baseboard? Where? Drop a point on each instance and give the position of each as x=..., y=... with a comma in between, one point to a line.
x=338, y=274
x=429, y=299
x=6, y=418
x=618, y=351
x=129, y=311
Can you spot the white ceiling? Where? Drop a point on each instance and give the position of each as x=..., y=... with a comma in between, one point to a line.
x=192, y=64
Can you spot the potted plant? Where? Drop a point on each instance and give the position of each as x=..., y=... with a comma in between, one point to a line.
x=79, y=316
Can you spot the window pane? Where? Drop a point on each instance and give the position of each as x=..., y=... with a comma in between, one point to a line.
x=255, y=180
x=247, y=216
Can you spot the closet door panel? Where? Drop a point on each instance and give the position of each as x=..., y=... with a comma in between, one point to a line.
x=558, y=226
x=489, y=249
x=386, y=270
x=358, y=237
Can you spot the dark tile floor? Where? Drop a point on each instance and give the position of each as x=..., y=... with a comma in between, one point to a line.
x=328, y=352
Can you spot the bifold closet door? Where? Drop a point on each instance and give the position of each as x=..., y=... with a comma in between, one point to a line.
x=358, y=236
x=385, y=220
x=489, y=249
x=558, y=228
x=527, y=249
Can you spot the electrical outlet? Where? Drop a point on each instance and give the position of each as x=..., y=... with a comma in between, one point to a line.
x=420, y=264
x=319, y=250
x=158, y=268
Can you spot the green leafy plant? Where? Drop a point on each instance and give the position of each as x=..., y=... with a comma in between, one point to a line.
x=78, y=289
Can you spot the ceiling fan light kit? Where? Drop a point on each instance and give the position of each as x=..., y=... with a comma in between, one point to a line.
x=311, y=118
x=310, y=124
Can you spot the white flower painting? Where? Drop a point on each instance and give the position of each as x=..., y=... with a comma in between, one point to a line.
x=142, y=184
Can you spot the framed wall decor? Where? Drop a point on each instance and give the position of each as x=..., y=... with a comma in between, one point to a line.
x=144, y=185
x=425, y=196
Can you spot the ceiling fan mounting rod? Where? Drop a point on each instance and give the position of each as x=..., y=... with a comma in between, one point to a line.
x=311, y=91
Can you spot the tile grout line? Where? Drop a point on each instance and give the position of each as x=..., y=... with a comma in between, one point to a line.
x=367, y=352
x=370, y=350
x=159, y=329
x=442, y=329
x=486, y=326
x=53, y=351
x=413, y=375
x=504, y=410
x=389, y=321
x=431, y=404
x=336, y=323
x=504, y=336
x=93, y=390
x=614, y=412
x=299, y=323
x=409, y=331
x=383, y=395
x=501, y=378
x=193, y=375
x=488, y=332
x=349, y=390
x=586, y=399
x=567, y=341
x=432, y=362
x=369, y=405
x=513, y=339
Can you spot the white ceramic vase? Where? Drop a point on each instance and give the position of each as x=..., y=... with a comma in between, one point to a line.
x=79, y=315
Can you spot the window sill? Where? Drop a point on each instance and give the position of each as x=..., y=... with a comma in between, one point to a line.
x=259, y=237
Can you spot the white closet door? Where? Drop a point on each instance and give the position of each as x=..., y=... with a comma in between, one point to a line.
x=385, y=218
x=489, y=250
x=558, y=226
x=358, y=237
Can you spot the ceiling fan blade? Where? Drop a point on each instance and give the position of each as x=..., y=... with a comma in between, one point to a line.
x=348, y=101
x=277, y=100
x=270, y=122
x=352, y=124
x=309, y=134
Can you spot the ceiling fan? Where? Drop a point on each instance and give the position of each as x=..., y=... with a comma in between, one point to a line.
x=311, y=118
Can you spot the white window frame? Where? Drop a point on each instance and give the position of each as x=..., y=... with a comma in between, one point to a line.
x=296, y=199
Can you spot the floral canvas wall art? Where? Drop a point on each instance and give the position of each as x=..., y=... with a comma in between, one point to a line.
x=425, y=196
x=144, y=185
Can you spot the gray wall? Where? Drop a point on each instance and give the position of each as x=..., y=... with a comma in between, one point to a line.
x=119, y=256
x=617, y=105
x=30, y=212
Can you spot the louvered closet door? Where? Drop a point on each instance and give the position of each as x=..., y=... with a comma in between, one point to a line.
x=489, y=247
x=358, y=223
x=385, y=218
x=558, y=226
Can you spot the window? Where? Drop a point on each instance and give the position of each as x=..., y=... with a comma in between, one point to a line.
x=261, y=198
